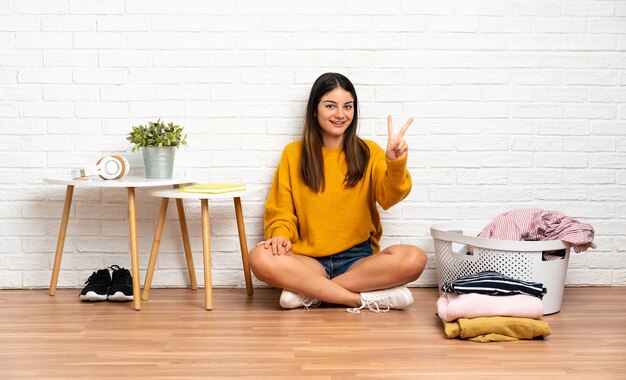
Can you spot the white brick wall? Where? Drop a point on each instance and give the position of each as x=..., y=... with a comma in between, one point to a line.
x=517, y=104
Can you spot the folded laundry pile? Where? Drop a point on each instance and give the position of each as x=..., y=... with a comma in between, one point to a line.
x=491, y=307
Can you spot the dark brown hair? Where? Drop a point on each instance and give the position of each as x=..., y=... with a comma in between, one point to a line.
x=356, y=151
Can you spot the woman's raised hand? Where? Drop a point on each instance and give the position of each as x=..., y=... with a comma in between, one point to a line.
x=397, y=148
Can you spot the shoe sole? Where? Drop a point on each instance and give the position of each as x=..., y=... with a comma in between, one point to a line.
x=93, y=296
x=120, y=297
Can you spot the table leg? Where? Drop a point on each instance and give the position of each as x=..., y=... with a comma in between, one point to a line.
x=155, y=248
x=134, y=249
x=244, y=245
x=185, y=233
x=206, y=253
x=61, y=239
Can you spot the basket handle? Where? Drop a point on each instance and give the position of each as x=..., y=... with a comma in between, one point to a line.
x=500, y=245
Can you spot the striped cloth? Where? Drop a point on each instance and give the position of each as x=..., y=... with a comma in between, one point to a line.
x=493, y=283
x=538, y=224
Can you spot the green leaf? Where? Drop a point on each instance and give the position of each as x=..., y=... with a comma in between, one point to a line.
x=156, y=134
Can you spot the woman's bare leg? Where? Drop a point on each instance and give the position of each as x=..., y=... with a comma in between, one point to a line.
x=300, y=274
x=394, y=266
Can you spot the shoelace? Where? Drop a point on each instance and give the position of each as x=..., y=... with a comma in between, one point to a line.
x=374, y=306
x=307, y=302
x=119, y=270
x=121, y=273
x=93, y=276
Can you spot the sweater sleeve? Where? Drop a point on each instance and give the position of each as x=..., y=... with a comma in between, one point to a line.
x=391, y=179
x=280, y=218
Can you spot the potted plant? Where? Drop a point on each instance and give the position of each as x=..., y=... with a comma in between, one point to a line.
x=158, y=142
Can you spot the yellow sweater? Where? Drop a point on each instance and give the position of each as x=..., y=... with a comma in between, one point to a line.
x=339, y=217
x=496, y=329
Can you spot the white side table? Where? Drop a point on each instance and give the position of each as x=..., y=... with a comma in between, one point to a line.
x=128, y=182
x=165, y=196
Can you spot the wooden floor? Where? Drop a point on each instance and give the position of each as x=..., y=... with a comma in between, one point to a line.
x=173, y=337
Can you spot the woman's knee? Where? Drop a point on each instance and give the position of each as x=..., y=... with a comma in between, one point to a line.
x=258, y=260
x=264, y=264
x=418, y=260
x=412, y=260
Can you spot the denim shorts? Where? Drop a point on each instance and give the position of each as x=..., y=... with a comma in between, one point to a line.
x=339, y=263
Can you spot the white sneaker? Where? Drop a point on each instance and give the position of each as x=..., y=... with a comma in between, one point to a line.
x=292, y=300
x=381, y=301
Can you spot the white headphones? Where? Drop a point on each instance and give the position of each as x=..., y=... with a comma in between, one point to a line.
x=108, y=167
x=112, y=167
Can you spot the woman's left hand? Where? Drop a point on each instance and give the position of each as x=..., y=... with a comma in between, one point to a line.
x=277, y=244
x=397, y=148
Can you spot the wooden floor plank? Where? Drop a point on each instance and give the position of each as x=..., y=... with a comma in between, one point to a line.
x=173, y=337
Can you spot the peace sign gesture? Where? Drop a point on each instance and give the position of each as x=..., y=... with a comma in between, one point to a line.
x=396, y=146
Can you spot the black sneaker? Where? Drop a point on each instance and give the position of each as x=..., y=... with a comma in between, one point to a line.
x=97, y=288
x=121, y=288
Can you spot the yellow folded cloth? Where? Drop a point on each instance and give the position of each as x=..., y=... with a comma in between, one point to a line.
x=213, y=188
x=490, y=329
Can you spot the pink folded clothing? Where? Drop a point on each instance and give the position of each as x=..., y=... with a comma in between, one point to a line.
x=537, y=224
x=452, y=306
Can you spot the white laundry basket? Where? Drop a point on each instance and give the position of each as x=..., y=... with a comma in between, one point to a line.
x=523, y=260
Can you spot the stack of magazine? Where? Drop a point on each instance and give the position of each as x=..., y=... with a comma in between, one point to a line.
x=213, y=188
